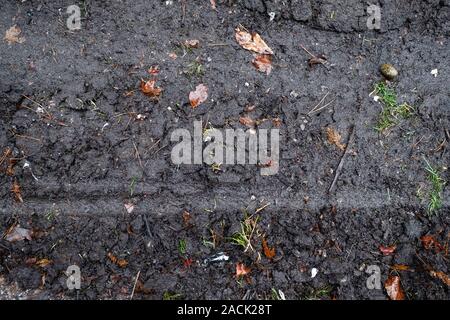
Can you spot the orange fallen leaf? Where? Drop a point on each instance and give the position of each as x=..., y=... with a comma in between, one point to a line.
x=247, y=121
x=12, y=35
x=268, y=252
x=334, y=138
x=430, y=242
x=252, y=42
x=393, y=288
x=149, y=89
x=441, y=276
x=17, y=192
x=43, y=262
x=400, y=267
x=263, y=63
x=387, y=251
x=120, y=262
x=198, y=96
x=241, y=270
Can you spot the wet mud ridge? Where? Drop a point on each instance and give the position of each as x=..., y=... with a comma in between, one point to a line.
x=87, y=179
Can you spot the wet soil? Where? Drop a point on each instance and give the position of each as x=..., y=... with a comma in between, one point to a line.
x=93, y=154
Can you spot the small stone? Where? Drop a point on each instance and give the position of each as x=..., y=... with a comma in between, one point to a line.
x=388, y=71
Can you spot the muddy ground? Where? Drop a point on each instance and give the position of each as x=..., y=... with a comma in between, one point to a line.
x=69, y=102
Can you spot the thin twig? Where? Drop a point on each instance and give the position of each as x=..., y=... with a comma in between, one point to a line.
x=341, y=163
x=138, y=155
x=307, y=51
x=135, y=283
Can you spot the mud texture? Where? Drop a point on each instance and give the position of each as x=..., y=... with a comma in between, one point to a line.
x=96, y=154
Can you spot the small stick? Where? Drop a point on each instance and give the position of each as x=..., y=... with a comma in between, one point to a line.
x=306, y=50
x=135, y=283
x=341, y=163
x=320, y=102
x=323, y=107
x=262, y=208
x=137, y=154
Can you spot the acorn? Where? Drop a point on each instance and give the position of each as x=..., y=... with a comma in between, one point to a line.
x=388, y=71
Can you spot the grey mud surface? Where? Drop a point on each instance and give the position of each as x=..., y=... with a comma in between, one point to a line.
x=86, y=170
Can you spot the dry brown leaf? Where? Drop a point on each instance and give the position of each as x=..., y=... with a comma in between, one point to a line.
x=17, y=233
x=393, y=288
x=241, y=270
x=430, y=242
x=252, y=42
x=12, y=35
x=277, y=122
x=387, y=251
x=198, y=96
x=335, y=138
x=263, y=63
x=268, y=252
x=247, y=121
x=441, y=276
x=122, y=263
x=43, y=262
x=186, y=218
x=153, y=70
x=149, y=89
x=17, y=192
x=400, y=267
x=194, y=43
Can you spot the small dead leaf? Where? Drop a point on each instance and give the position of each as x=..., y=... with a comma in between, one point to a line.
x=441, y=276
x=252, y=42
x=18, y=234
x=400, y=267
x=387, y=251
x=194, y=43
x=12, y=35
x=153, y=70
x=129, y=207
x=148, y=88
x=393, y=288
x=276, y=122
x=335, y=138
x=198, y=96
x=247, y=121
x=241, y=270
x=429, y=242
x=268, y=252
x=173, y=55
x=263, y=63
x=122, y=263
x=43, y=262
x=186, y=218
x=213, y=4
x=112, y=257
x=17, y=192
